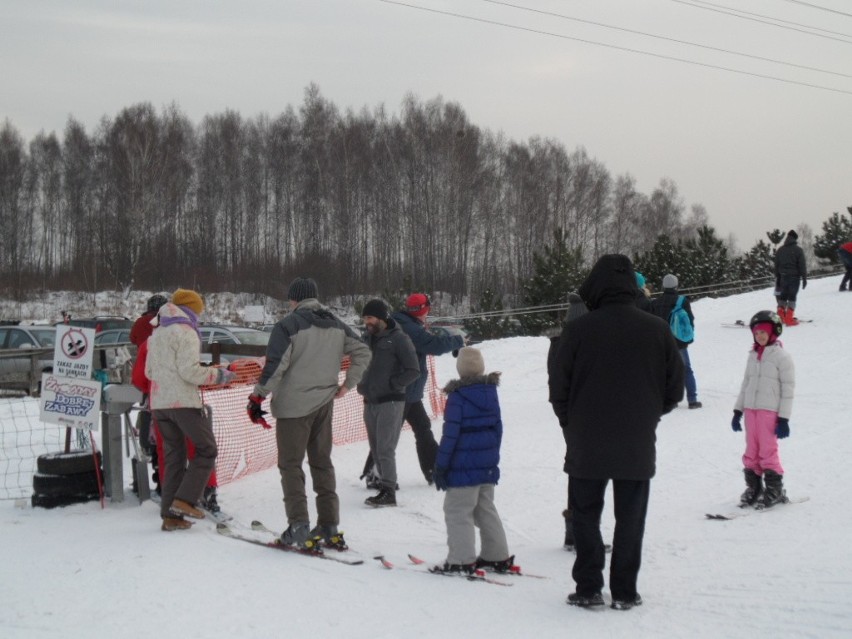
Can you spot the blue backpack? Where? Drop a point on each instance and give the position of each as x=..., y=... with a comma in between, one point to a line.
x=680, y=324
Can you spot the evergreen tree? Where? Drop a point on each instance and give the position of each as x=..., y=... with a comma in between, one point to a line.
x=664, y=257
x=776, y=236
x=836, y=230
x=492, y=325
x=757, y=264
x=556, y=272
x=707, y=261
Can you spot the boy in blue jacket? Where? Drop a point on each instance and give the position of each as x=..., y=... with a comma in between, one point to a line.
x=467, y=468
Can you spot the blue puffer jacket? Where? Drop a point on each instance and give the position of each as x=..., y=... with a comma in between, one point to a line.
x=425, y=343
x=473, y=430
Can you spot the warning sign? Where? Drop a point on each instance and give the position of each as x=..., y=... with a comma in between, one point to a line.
x=72, y=355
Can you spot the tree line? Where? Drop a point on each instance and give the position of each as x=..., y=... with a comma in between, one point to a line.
x=362, y=201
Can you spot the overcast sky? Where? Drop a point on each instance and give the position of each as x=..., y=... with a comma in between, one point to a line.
x=758, y=153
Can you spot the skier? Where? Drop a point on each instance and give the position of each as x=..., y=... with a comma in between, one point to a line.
x=467, y=468
x=845, y=255
x=766, y=399
x=790, y=267
x=301, y=373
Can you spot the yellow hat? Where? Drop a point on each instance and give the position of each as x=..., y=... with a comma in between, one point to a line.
x=190, y=299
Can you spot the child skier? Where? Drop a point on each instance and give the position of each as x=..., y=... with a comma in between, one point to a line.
x=766, y=398
x=467, y=468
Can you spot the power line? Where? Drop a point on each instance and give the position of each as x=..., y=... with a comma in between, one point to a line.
x=668, y=39
x=816, y=6
x=744, y=15
x=618, y=48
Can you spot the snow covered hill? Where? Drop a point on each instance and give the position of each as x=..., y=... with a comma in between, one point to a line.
x=86, y=572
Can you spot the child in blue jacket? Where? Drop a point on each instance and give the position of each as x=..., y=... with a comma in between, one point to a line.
x=467, y=468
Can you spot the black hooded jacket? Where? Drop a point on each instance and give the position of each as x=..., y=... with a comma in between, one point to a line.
x=616, y=372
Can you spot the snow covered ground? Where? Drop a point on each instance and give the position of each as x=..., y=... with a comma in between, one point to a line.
x=86, y=572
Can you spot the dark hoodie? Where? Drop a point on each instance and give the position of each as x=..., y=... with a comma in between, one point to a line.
x=616, y=372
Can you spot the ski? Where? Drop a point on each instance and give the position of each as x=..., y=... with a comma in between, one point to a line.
x=744, y=511
x=258, y=526
x=515, y=570
x=227, y=531
x=478, y=576
x=742, y=324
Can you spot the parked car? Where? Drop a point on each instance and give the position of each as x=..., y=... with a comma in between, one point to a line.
x=15, y=369
x=112, y=336
x=102, y=322
x=224, y=334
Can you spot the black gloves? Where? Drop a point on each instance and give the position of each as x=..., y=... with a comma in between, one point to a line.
x=782, y=428
x=255, y=412
x=736, y=426
x=439, y=476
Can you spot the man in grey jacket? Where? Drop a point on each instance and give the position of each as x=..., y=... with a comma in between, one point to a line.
x=393, y=367
x=301, y=373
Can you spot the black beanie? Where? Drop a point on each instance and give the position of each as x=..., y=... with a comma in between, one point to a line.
x=376, y=308
x=302, y=288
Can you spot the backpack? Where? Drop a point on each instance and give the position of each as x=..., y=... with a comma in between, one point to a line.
x=679, y=322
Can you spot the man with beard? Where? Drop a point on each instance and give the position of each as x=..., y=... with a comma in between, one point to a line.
x=392, y=368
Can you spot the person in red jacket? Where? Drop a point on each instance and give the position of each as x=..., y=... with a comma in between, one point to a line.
x=845, y=255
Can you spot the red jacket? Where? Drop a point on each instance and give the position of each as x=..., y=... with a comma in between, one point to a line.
x=142, y=329
x=138, y=377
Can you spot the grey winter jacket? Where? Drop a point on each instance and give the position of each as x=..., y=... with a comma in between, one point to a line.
x=393, y=367
x=769, y=382
x=303, y=360
x=790, y=260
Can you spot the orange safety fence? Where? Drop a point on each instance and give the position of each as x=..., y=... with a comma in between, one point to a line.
x=246, y=448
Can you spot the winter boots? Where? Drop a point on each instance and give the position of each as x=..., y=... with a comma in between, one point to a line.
x=455, y=569
x=171, y=523
x=496, y=566
x=298, y=534
x=386, y=497
x=754, y=488
x=787, y=316
x=774, y=492
x=180, y=508
x=330, y=536
x=209, y=502
x=585, y=601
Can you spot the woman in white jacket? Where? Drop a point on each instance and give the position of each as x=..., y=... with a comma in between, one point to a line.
x=766, y=399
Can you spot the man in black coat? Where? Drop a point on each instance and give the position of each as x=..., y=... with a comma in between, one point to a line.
x=790, y=268
x=617, y=371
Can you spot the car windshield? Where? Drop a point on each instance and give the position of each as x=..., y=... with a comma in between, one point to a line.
x=45, y=336
x=256, y=338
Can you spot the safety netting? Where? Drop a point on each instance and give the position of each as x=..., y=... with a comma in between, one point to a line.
x=246, y=448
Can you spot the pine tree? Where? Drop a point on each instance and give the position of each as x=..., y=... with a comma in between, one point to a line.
x=707, y=260
x=664, y=257
x=492, y=325
x=836, y=230
x=556, y=272
x=757, y=264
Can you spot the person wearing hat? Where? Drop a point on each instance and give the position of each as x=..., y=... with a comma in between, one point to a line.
x=790, y=269
x=467, y=467
x=392, y=368
x=301, y=376
x=662, y=307
x=617, y=371
x=412, y=320
x=175, y=372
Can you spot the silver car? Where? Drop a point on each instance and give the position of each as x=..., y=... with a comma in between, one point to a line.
x=16, y=362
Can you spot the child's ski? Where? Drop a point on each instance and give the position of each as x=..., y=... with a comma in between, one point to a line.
x=224, y=529
x=479, y=575
x=745, y=511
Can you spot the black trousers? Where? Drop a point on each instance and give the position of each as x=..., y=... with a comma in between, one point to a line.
x=586, y=497
x=427, y=448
